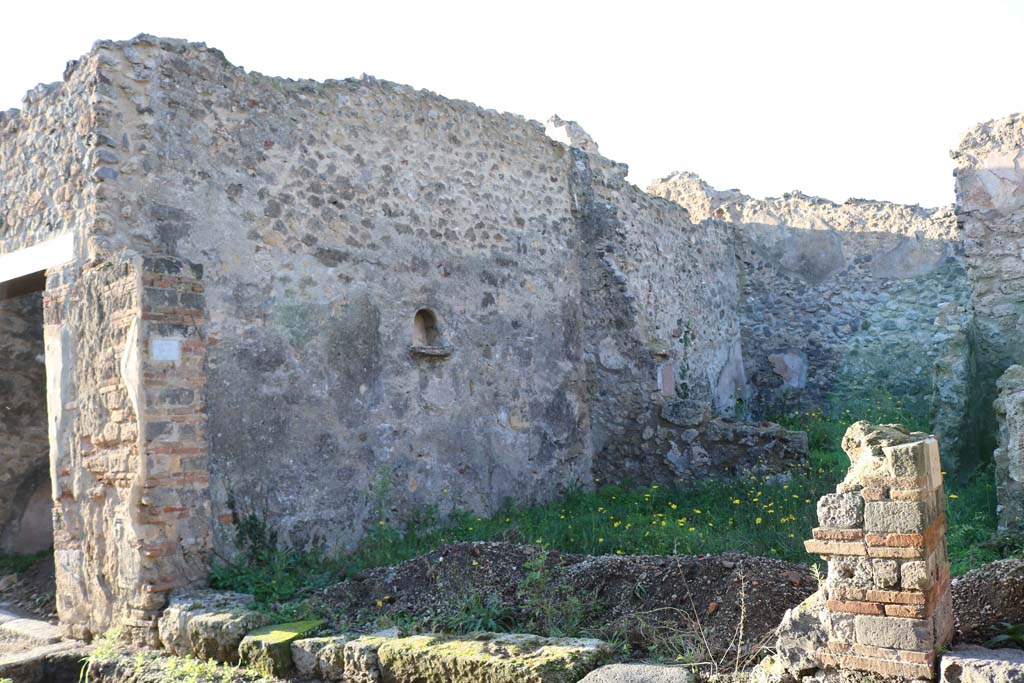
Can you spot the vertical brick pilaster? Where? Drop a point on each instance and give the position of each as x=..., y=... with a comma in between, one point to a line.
x=174, y=510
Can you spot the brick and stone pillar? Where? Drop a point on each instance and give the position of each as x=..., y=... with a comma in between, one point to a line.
x=887, y=598
x=125, y=363
x=885, y=605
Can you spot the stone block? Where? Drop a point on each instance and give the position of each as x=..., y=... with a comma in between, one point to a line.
x=907, y=460
x=173, y=624
x=975, y=664
x=886, y=573
x=361, y=661
x=684, y=412
x=894, y=632
x=322, y=657
x=217, y=635
x=639, y=673
x=490, y=658
x=915, y=575
x=897, y=516
x=268, y=650
x=841, y=511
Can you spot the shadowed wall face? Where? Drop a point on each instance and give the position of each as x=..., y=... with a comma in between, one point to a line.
x=860, y=307
x=25, y=509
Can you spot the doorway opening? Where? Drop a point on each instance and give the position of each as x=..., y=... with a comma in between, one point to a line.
x=27, y=584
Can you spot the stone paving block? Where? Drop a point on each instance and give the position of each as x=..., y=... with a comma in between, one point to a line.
x=361, y=660
x=322, y=657
x=975, y=664
x=639, y=673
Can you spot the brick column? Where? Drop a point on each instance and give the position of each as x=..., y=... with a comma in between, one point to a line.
x=125, y=363
x=886, y=600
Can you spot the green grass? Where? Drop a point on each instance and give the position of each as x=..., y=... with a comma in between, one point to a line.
x=767, y=516
x=17, y=564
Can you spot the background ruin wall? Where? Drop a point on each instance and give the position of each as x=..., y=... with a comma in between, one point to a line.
x=847, y=306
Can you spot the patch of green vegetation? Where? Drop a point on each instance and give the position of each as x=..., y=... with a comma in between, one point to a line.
x=18, y=564
x=758, y=515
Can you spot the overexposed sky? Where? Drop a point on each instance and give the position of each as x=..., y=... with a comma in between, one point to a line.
x=839, y=98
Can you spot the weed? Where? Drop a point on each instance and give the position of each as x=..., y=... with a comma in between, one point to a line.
x=104, y=649
x=477, y=613
x=1010, y=635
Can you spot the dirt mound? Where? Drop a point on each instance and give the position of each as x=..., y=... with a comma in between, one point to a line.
x=685, y=606
x=986, y=596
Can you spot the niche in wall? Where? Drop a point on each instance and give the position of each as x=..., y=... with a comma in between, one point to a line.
x=427, y=339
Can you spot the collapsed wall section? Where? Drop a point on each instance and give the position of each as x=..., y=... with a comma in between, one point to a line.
x=855, y=306
x=663, y=339
x=885, y=606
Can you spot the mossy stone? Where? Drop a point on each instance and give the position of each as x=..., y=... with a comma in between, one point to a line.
x=490, y=658
x=268, y=650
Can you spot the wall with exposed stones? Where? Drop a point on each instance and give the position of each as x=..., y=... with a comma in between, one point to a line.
x=25, y=518
x=47, y=161
x=326, y=215
x=845, y=305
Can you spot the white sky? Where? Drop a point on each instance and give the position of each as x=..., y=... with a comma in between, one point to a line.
x=837, y=98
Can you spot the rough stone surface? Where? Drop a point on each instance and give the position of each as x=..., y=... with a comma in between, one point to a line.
x=972, y=664
x=639, y=673
x=361, y=660
x=322, y=657
x=489, y=658
x=1009, y=455
x=989, y=209
x=173, y=627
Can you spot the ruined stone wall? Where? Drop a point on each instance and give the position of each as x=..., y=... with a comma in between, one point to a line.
x=1009, y=455
x=990, y=208
x=47, y=162
x=839, y=302
x=885, y=605
x=25, y=518
x=662, y=337
x=326, y=216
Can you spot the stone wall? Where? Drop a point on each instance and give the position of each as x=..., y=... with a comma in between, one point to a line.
x=47, y=161
x=1009, y=454
x=326, y=216
x=844, y=305
x=990, y=208
x=25, y=517
x=661, y=332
